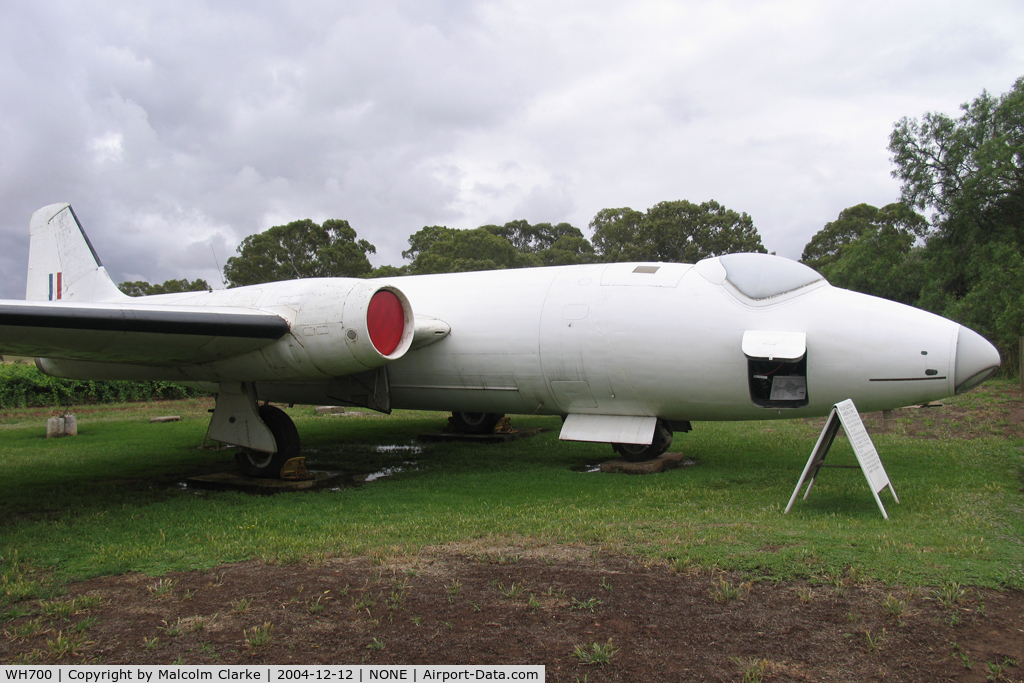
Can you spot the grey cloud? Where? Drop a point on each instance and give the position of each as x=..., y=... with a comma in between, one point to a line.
x=172, y=127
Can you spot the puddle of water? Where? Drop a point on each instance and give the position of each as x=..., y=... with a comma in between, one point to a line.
x=380, y=474
x=184, y=487
x=597, y=468
x=407, y=466
x=412, y=450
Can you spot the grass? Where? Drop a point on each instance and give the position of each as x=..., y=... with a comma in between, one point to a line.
x=590, y=604
x=596, y=653
x=894, y=607
x=513, y=591
x=723, y=591
x=258, y=636
x=950, y=594
x=751, y=669
x=110, y=501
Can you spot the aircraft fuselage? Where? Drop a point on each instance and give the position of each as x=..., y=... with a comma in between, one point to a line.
x=591, y=339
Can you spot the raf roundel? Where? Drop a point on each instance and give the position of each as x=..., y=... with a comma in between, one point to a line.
x=385, y=321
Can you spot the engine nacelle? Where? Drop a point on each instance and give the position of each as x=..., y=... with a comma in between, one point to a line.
x=336, y=327
x=379, y=324
x=373, y=325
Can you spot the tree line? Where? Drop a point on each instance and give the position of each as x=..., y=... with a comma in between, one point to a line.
x=952, y=244
x=669, y=231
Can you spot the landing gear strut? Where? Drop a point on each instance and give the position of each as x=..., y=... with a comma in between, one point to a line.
x=474, y=423
x=265, y=465
x=634, y=452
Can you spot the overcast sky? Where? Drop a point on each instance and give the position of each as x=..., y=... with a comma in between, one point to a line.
x=176, y=129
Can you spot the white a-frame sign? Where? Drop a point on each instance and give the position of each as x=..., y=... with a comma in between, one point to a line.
x=845, y=414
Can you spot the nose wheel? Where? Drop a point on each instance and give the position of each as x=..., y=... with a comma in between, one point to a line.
x=265, y=465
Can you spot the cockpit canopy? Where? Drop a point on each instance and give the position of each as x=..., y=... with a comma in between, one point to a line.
x=758, y=276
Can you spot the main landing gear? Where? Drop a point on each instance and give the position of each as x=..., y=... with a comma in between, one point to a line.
x=265, y=465
x=474, y=423
x=266, y=437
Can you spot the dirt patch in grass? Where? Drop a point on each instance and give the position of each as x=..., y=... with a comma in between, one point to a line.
x=994, y=409
x=663, y=623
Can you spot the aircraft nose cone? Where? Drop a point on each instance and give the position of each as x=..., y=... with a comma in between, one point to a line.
x=976, y=359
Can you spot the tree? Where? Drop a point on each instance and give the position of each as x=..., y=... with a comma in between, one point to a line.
x=389, y=271
x=971, y=165
x=614, y=229
x=872, y=250
x=555, y=245
x=678, y=231
x=969, y=171
x=299, y=249
x=568, y=250
x=143, y=288
x=852, y=222
x=439, y=249
x=994, y=306
x=533, y=239
x=517, y=244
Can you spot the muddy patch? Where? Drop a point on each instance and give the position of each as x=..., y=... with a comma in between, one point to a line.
x=532, y=606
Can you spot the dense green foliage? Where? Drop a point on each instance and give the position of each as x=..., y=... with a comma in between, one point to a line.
x=678, y=231
x=299, y=249
x=439, y=249
x=517, y=244
x=871, y=250
x=23, y=385
x=969, y=171
x=143, y=288
x=553, y=245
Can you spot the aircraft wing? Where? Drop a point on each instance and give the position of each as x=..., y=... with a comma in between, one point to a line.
x=128, y=332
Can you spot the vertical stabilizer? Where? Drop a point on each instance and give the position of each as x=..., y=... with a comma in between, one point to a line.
x=62, y=265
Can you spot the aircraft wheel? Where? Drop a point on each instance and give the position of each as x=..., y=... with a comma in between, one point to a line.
x=268, y=465
x=474, y=423
x=634, y=452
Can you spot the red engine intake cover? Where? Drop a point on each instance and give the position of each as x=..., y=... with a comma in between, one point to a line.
x=385, y=321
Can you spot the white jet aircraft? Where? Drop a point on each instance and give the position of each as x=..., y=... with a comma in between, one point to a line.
x=626, y=353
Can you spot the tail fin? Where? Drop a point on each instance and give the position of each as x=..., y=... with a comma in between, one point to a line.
x=62, y=265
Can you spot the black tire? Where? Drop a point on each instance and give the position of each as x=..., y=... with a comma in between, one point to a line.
x=474, y=423
x=268, y=465
x=639, y=453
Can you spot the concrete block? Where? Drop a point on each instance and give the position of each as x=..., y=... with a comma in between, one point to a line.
x=54, y=427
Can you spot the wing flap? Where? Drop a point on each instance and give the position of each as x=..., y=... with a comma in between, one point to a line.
x=134, y=333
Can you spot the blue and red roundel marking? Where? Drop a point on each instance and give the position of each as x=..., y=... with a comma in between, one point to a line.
x=385, y=321
x=59, y=287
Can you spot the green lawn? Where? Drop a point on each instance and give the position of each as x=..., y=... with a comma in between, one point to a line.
x=111, y=500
